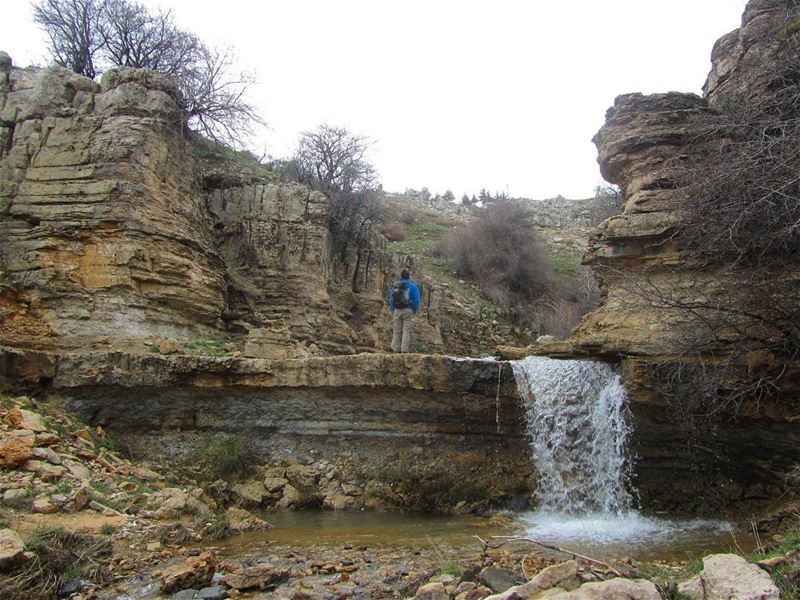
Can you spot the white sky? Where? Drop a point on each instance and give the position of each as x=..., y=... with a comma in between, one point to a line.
x=457, y=94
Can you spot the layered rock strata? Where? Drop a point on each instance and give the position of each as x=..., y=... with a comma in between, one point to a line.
x=432, y=413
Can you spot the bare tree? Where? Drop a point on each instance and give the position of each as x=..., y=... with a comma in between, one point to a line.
x=124, y=33
x=214, y=97
x=334, y=160
x=132, y=36
x=72, y=26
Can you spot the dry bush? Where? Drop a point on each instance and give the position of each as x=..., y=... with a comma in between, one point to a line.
x=394, y=232
x=501, y=251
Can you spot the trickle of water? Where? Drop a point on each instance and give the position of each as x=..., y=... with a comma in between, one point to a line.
x=576, y=412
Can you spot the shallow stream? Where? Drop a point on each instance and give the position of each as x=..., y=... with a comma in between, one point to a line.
x=600, y=536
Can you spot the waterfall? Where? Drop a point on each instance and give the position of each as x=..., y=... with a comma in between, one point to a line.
x=576, y=412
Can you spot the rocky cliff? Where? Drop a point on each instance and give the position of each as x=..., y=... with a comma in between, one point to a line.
x=647, y=146
x=114, y=234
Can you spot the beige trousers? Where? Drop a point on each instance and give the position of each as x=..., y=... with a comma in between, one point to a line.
x=402, y=322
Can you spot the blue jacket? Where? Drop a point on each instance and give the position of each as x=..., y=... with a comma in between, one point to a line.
x=413, y=295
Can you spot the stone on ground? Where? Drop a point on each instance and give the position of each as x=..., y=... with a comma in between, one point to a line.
x=432, y=591
x=258, y=577
x=16, y=447
x=497, y=580
x=731, y=577
x=12, y=549
x=19, y=418
x=240, y=520
x=613, y=589
x=195, y=572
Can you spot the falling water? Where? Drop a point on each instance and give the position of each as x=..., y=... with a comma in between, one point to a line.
x=576, y=411
x=578, y=427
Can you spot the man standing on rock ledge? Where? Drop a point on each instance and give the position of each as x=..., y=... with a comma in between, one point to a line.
x=404, y=301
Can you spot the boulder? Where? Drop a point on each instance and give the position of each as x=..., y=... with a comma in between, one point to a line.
x=290, y=497
x=613, y=589
x=257, y=577
x=12, y=549
x=731, y=577
x=19, y=418
x=338, y=501
x=275, y=484
x=240, y=520
x=195, y=572
x=432, y=591
x=250, y=492
x=16, y=447
x=497, y=580
x=42, y=505
x=301, y=476
x=562, y=576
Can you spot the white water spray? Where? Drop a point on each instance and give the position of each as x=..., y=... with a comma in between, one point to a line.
x=576, y=411
x=578, y=426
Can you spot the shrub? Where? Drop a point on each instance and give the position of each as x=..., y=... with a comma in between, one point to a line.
x=229, y=458
x=503, y=253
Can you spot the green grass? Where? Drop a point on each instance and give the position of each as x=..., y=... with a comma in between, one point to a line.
x=451, y=568
x=785, y=576
x=214, y=348
x=107, y=529
x=566, y=264
x=100, y=487
x=420, y=238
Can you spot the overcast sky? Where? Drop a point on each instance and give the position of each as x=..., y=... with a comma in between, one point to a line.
x=456, y=94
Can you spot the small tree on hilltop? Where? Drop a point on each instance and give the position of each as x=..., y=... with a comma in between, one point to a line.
x=72, y=26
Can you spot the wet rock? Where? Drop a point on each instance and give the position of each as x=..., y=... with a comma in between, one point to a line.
x=194, y=572
x=258, y=577
x=184, y=595
x=731, y=577
x=432, y=591
x=20, y=418
x=240, y=520
x=497, y=580
x=16, y=447
x=215, y=592
x=613, y=589
x=12, y=549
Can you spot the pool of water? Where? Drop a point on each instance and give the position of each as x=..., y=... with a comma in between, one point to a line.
x=636, y=535
x=600, y=536
x=372, y=529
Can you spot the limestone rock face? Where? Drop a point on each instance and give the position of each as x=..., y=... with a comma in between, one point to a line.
x=730, y=576
x=645, y=145
x=100, y=233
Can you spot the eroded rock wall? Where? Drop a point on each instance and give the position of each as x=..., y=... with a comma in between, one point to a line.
x=102, y=240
